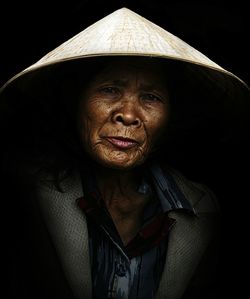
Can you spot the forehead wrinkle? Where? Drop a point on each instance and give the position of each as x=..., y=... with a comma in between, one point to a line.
x=123, y=75
x=108, y=79
x=143, y=78
x=110, y=71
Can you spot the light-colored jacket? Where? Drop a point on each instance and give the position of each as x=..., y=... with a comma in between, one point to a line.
x=189, y=239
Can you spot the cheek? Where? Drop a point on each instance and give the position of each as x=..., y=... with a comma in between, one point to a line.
x=86, y=130
x=157, y=124
x=92, y=117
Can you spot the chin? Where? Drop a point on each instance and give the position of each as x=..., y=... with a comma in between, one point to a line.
x=119, y=160
x=120, y=164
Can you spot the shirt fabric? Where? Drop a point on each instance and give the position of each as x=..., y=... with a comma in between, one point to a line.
x=132, y=271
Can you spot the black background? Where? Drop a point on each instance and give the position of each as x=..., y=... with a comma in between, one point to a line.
x=218, y=29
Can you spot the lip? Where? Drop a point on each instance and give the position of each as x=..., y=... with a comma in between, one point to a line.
x=121, y=142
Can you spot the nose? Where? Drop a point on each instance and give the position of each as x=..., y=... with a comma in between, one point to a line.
x=127, y=115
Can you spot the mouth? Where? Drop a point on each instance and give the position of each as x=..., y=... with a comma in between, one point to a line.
x=122, y=142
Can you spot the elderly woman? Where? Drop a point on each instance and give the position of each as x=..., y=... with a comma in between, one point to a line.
x=107, y=215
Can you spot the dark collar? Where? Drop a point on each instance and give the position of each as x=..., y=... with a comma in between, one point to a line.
x=169, y=193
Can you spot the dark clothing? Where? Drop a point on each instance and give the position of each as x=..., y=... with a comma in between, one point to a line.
x=134, y=270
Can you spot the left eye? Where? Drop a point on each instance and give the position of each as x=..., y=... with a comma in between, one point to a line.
x=151, y=97
x=109, y=90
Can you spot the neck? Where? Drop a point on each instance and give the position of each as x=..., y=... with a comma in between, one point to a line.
x=119, y=190
x=125, y=205
x=115, y=184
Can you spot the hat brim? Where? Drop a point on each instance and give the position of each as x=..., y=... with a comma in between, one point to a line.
x=231, y=93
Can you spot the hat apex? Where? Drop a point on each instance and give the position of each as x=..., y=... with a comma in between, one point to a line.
x=125, y=32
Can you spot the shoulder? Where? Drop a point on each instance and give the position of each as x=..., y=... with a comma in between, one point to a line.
x=200, y=196
x=69, y=183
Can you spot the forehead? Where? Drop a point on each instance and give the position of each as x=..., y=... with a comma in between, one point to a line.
x=127, y=69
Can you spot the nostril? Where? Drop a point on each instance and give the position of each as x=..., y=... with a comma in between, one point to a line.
x=136, y=122
x=119, y=118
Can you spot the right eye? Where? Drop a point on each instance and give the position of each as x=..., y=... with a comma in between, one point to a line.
x=109, y=90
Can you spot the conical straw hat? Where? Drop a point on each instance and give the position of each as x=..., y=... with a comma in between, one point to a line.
x=125, y=33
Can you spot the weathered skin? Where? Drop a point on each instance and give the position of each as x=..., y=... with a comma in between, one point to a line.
x=125, y=100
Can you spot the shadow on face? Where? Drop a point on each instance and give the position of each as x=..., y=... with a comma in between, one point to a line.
x=123, y=112
x=128, y=109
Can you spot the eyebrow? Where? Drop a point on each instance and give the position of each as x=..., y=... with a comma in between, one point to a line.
x=118, y=82
x=148, y=87
x=124, y=82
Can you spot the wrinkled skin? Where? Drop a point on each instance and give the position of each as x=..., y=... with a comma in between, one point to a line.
x=123, y=113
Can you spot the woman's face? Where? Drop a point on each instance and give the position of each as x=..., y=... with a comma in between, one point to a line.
x=123, y=113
